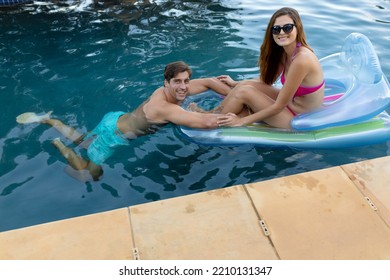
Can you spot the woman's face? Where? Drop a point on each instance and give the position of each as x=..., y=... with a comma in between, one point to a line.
x=288, y=34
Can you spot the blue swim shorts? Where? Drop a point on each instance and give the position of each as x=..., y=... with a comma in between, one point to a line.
x=106, y=136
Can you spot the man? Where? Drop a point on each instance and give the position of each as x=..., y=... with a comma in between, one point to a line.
x=116, y=128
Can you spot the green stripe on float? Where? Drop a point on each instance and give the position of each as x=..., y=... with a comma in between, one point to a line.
x=350, y=129
x=265, y=132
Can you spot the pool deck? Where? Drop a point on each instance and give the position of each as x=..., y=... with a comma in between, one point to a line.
x=336, y=213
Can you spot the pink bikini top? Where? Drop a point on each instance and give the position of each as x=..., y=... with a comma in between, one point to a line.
x=302, y=90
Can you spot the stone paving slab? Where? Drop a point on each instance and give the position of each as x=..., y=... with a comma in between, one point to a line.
x=372, y=177
x=219, y=224
x=320, y=215
x=102, y=236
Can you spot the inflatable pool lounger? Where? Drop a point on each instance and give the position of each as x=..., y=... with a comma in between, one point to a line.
x=353, y=113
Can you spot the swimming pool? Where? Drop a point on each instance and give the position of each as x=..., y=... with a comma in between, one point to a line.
x=83, y=63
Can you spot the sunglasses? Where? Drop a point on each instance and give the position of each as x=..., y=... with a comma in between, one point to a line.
x=287, y=28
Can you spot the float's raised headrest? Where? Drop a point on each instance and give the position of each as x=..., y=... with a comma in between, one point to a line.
x=359, y=56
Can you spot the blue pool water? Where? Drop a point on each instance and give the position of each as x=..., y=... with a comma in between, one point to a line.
x=82, y=62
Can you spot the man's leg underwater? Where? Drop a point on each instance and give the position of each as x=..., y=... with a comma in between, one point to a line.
x=65, y=130
x=77, y=162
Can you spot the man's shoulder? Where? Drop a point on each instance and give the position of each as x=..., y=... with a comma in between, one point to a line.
x=159, y=102
x=157, y=97
x=157, y=92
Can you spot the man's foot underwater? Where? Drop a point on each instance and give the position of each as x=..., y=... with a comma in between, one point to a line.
x=31, y=117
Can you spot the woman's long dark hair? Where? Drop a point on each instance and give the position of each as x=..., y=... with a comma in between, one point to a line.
x=271, y=54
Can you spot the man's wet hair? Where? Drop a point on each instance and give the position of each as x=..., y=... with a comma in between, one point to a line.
x=174, y=68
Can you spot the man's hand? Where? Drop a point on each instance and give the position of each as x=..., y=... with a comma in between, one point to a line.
x=227, y=80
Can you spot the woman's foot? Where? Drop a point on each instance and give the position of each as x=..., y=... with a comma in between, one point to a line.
x=193, y=107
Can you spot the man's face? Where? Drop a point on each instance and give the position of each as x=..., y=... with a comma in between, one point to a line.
x=178, y=86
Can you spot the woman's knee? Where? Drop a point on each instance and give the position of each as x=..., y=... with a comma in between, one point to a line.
x=245, y=92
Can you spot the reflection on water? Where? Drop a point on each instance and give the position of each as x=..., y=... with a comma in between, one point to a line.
x=82, y=61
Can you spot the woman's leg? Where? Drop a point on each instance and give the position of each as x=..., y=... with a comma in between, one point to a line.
x=248, y=96
x=241, y=86
x=260, y=86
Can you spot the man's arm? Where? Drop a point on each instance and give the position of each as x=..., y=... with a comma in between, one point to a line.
x=177, y=115
x=201, y=85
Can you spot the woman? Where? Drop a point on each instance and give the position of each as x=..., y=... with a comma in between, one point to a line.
x=284, y=53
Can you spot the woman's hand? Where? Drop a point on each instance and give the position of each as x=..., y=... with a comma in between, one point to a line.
x=229, y=119
x=227, y=80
